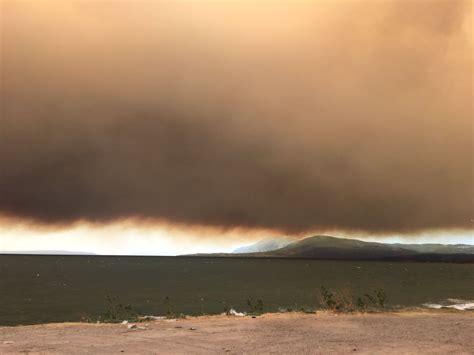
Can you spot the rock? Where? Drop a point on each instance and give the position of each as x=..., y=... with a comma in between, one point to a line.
x=8, y=342
x=152, y=318
x=134, y=326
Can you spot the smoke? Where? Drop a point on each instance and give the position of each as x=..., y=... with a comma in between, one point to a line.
x=298, y=116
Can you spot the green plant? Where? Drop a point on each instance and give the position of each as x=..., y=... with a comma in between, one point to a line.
x=227, y=308
x=360, y=303
x=169, y=307
x=117, y=312
x=202, y=306
x=343, y=300
x=381, y=297
x=326, y=299
x=375, y=300
x=255, y=306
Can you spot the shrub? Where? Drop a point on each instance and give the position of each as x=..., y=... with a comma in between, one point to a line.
x=327, y=299
x=169, y=307
x=343, y=300
x=340, y=301
x=373, y=301
x=118, y=312
x=255, y=307
x=227, y=308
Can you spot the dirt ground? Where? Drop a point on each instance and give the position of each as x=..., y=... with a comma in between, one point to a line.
x=395, y=333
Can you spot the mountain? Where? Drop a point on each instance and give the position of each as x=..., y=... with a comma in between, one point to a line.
x=318, y=247
x=439, y=248
x=263, y=245
x=326, y=247
x=46, y=252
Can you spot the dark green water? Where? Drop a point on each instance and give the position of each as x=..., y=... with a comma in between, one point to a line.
x=38, y=289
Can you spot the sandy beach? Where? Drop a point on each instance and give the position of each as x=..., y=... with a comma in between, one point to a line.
x=432, y=332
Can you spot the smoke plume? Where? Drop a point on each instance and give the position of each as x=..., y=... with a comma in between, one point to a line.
x=292, y=116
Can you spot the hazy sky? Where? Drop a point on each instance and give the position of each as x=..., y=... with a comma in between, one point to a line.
x=193, y=125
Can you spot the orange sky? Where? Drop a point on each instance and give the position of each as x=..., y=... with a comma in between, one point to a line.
x=257, y=118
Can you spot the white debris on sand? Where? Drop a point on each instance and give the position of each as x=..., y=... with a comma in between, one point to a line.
x=134, y=326
x=233, y=312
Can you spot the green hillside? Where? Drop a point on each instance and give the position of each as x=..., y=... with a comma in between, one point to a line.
x=339, y=248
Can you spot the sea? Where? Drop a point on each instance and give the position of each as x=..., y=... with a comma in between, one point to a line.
x=43, y=289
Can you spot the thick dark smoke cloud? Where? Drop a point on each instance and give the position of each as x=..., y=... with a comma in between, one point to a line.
x=295, y=117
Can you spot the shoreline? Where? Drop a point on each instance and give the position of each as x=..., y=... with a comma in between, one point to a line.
x=409, y=331
x=161, y=318
x=327, y=312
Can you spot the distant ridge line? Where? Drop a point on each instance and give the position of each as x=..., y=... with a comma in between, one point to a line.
x=332, y=248
x=45, y=252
